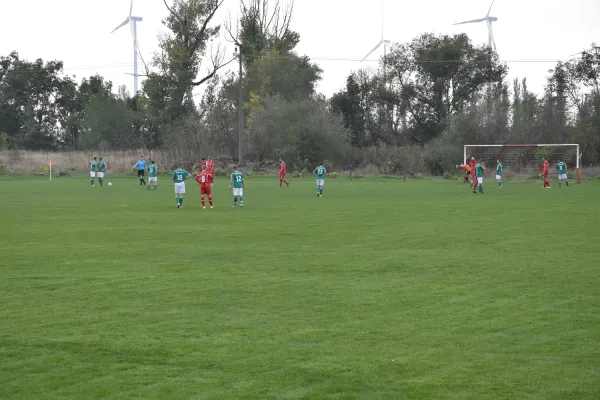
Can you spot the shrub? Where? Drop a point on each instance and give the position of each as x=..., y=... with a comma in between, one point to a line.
x=334, y=175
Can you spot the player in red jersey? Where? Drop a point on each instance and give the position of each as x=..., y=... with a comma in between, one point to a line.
x=282, y=173
x=210, y=166
x=202, y=163
x=205, y=179
x=472, y=165
x=545, y=172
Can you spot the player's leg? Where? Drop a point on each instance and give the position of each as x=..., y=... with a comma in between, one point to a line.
x=480, y=182
x=209, y=194
x=202, y=200
x=235, y=194
x=499, y=179
x=241, y=194
x=100, y=177
x=318, y=191
x=181, y=193
x=285, y=181
x=92, y=176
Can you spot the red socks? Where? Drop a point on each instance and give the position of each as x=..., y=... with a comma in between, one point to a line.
x=210, y=200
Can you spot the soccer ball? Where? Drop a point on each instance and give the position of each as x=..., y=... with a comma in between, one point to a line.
x=109, y=183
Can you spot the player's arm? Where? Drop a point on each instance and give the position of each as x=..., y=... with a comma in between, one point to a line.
x=230, y=181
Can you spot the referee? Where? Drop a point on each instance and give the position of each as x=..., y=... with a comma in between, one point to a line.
x=141, y=168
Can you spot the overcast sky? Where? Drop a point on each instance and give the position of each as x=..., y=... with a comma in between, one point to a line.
x=531, y=35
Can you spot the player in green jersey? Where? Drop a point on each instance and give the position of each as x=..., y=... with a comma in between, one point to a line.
x=479, y=171
x=93, y=167
x=237, y=183
x=152, y=168
x=561, y=167
x=101, y=166
x=499, y=169
x=179, y=178
x=320, y=172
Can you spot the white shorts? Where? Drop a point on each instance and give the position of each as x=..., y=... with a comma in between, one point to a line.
x=180, y=187
x=498, y=177
x=92, y=174
x=153, y=179
x=320, y=182
x=479, y=180
x=562, y=177
x=100, y=174
x=238, y=191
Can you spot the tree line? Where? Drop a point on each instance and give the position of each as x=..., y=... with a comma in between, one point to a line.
x=426, y=99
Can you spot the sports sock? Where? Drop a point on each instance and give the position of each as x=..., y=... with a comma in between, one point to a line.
x=181, y=200
x=210, y=200
x=321, y=190
x=202, y=201
x=280, y=181
x=155, y=188
x=100, y=180
x=234, y=200
x=92, y=182
x=559, y=184
x=241, y=200
x=567, y=182
x=177, y=199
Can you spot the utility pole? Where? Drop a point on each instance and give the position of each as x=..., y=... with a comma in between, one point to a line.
x=239, y=50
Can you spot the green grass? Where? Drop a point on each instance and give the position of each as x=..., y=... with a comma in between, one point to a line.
x=382, y=289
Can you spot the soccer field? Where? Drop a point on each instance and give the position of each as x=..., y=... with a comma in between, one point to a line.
x=381, y=289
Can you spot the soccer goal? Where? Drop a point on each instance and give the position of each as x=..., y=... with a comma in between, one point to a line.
x=525, y=160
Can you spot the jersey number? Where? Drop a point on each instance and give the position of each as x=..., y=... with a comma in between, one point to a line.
x=238, y=178
x=179, y=177
x=203, y=179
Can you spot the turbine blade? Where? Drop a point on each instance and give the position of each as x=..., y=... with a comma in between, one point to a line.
x=122, y=24
x=488, y=14
x=371, y=52
x=471, y=21
x=130, y=8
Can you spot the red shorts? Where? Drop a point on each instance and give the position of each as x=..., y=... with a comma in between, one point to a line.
x=281, y=176
x=545, y=175
x=205, y=189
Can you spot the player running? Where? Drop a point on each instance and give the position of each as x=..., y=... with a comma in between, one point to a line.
x=93, y=166
x=179, y=178
x=152, y=175
x=282, y=173
x=545, y=172
x=237, y=183
x=320, y=172
x=101, y=166
x=472, y=165
x=561, y=167
x=205, y=179
x=141, y=168
x=479, y=172
x=499, y=169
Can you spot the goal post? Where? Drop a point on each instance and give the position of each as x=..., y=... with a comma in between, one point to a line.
x=525, y=160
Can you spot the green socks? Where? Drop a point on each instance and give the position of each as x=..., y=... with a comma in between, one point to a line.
x=100, y=180
x=155, y=188
x=177, y=199
x=499, y=183
x=92, y=182
x=181, y=200
x=234, y=200
x=241, y=200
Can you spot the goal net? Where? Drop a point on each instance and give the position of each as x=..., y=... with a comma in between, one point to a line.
x=524, y=161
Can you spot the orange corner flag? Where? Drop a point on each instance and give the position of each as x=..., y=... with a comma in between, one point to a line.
x=50, y=163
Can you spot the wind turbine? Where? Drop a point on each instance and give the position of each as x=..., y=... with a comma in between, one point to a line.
x=132, y=21
x=383, y=42
x=488, y=21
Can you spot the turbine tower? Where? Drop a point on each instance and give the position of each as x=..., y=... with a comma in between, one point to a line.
x=488, y=21
x=132, y=21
